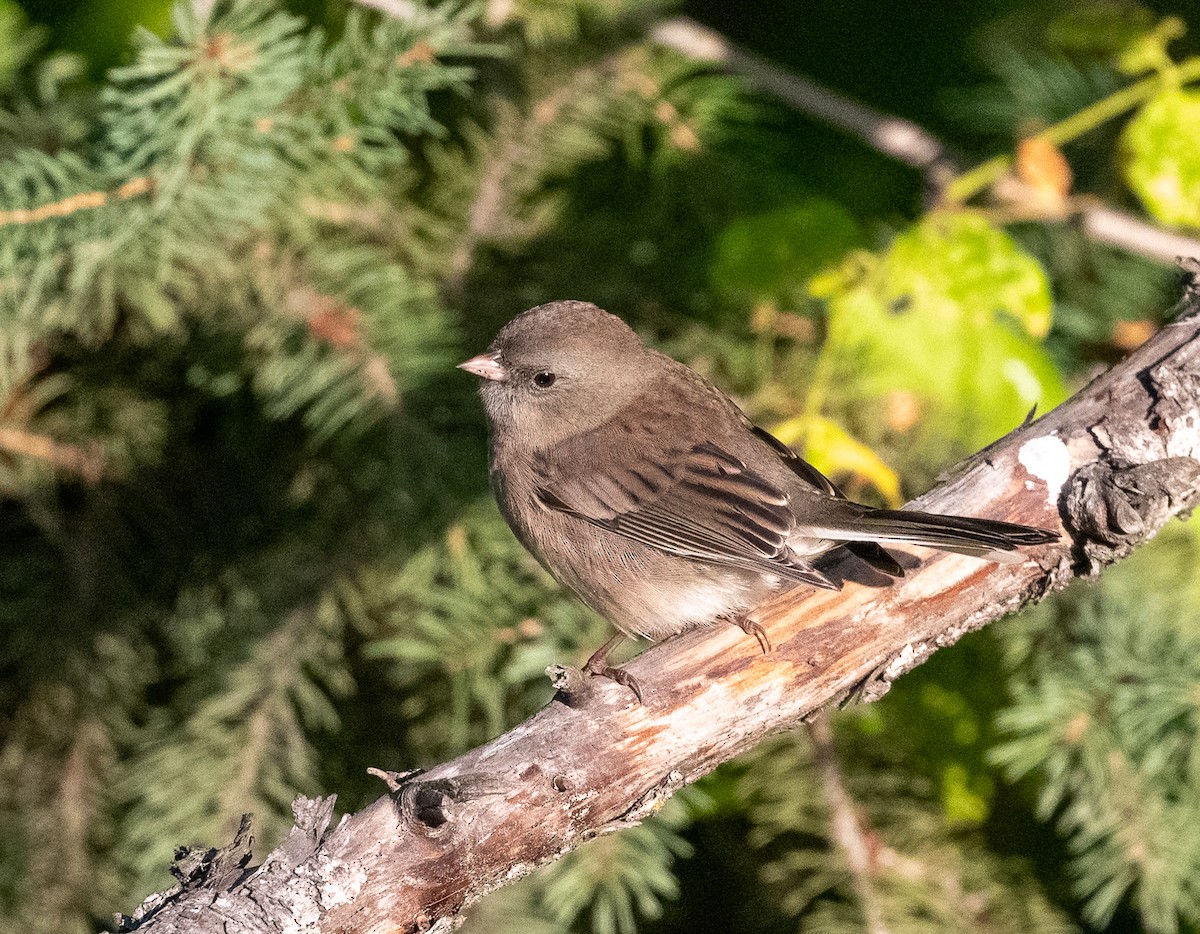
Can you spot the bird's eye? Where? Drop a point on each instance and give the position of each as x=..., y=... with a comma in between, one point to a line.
x=544, y=380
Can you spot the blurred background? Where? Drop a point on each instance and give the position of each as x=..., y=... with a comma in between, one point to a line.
x=246, y=544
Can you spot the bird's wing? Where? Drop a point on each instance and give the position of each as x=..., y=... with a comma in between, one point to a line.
x=871, y=552
x=797, y=464
x=700, y=503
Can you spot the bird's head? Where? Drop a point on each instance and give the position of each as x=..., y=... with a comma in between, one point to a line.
x=559, y=369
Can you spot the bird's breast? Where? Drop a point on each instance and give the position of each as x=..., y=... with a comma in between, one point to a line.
x=644, y=591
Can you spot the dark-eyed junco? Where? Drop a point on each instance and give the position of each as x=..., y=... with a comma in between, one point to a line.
x=643, y=488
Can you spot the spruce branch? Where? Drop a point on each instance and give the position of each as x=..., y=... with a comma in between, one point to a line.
x=204, y=141
x=1103, y=711
x=1110, y=466
x=919, y=871
x=254, y=726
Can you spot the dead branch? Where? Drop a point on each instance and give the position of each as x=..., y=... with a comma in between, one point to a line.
x=1109, y=467
x=905, y=141
x=893, y=136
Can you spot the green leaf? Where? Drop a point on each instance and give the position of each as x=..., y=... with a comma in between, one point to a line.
x=767, y=255
x=953, y=313
x=1162, y=159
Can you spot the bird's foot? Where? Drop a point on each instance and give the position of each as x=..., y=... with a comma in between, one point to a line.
x=752, y=627
x=598, y=667
x=619, y=675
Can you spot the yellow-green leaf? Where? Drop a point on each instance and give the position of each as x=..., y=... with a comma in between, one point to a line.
x=1162, y=157
x=952, y=313
x=833, y=451
x=959, y=267
x=1149, y=51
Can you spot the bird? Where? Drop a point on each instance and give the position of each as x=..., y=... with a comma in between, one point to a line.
x=643, y=488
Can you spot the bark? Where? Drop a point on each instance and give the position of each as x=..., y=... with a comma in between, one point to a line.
x=1109, y=468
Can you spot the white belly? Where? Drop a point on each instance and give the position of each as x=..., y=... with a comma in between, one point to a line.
x=702, y=604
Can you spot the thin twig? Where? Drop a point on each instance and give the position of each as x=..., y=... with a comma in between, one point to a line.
x=845, y=828
x=518, y=133
x=895, y=137
x=1122, y=230
x=487, y=209
x=915, y=146
x=85, y=461
x=81, y=201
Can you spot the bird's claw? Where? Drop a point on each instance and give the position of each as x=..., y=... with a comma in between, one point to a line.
x=598, y=667
x=752, y=627
x=619, y=675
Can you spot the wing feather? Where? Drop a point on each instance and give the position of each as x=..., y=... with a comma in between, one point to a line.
x=701, y=503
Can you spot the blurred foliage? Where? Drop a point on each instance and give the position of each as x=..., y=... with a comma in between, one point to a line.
x=247, y=549
x=1161, y=166
x=1104, y=710
x=773, y=255
x=951, y=314
x=926, y=875
x=468, y=625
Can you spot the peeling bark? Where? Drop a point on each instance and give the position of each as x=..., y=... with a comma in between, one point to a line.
x=1109, y=467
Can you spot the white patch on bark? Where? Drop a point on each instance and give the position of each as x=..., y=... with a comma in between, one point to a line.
x=1048, y=460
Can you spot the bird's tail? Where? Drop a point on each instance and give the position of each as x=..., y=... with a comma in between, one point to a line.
x=982, y=538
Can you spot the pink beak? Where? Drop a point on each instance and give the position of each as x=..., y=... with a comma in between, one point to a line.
x=486, y=365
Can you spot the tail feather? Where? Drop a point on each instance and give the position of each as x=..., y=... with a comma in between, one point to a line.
x=982, y=538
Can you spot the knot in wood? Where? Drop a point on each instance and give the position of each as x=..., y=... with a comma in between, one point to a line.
x=1110, y=507
x=427, y=806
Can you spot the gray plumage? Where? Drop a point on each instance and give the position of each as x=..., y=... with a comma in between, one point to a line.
x=643, y=488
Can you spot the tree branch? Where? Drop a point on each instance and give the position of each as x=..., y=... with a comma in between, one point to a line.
x=1109, y=467
x=892, y=136
x=905, y=141
x=846, y=831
